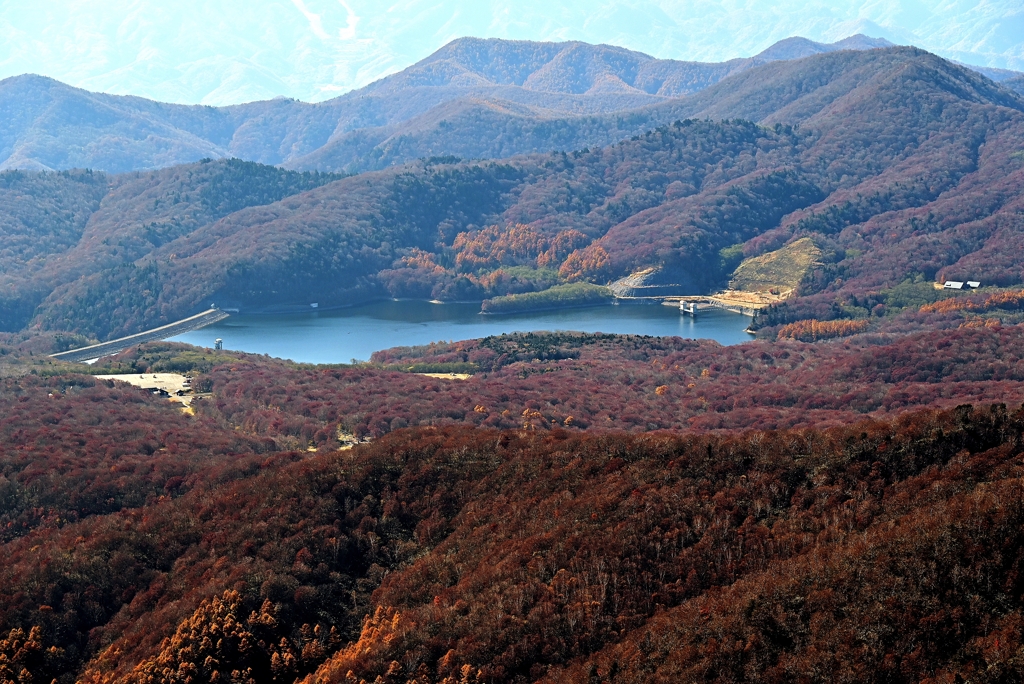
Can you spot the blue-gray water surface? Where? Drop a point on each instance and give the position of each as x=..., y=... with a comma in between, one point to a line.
x=343, y=335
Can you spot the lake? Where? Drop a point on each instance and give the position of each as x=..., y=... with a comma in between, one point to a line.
x=355, y=333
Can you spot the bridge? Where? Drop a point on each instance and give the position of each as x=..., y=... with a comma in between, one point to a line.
x=692, y=306
x=96, y=351
x=736, y=301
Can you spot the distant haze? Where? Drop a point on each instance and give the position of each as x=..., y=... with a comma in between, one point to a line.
x=233, y=51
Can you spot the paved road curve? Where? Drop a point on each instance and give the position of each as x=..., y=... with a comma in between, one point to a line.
x=162, y=333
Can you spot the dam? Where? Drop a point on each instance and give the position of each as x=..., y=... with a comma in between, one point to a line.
x=96, y=351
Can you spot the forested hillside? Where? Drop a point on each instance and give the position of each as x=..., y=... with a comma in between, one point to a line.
x=902, y=166
x=812, y=374
x=40, y=216
x=83, y=227
x=1016, y=84
x=141, y=543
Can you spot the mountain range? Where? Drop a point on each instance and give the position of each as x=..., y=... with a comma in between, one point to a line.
x=899, y=164
x=235, y=51
x=529, y=97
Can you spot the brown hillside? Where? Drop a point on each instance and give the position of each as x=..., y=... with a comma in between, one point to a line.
x=780, y=271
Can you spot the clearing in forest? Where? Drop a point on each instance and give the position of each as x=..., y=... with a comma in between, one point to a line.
x=779, y=272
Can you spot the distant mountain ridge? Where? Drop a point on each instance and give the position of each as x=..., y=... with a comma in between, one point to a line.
x=51, y=126
x=580, y=68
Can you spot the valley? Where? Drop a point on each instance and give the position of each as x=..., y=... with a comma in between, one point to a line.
x=882, y=204
x=373, y=482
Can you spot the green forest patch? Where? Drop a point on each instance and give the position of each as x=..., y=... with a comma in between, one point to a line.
x=558, y=297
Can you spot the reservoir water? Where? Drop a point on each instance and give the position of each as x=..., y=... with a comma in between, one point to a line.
x=355, y=333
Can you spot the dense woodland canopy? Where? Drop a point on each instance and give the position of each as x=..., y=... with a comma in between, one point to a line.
x=43, y=215
x=584, y=508
x=86, y=228
x=145, y=544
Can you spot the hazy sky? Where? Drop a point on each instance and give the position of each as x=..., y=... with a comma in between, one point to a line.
x=231, y=51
